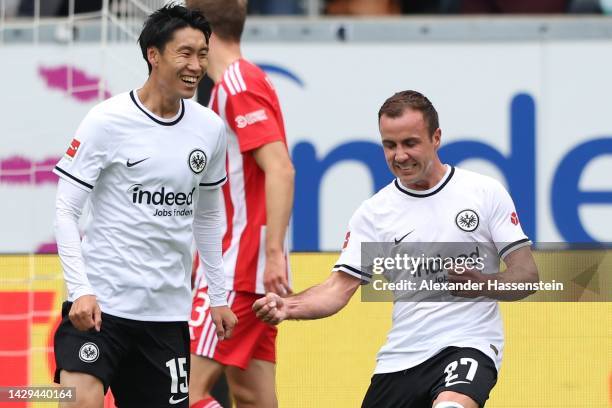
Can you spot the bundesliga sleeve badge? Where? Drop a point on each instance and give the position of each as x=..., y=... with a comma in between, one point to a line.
x=73, y=148
x=346, y=240
x=514, y=219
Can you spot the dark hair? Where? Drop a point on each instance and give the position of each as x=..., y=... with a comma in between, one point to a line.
x=395, y=106
x=226, y=16
x=160, y=26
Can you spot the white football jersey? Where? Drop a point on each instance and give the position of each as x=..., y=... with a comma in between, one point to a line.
x=144, y=173
x=464, y=207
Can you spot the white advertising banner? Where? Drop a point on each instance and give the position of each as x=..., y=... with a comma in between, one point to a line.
x=535, y=115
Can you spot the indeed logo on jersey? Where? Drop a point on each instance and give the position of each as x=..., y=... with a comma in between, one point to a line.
x=162, y=197
x=243, y=121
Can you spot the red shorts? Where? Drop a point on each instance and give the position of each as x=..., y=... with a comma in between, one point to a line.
x=251, y=338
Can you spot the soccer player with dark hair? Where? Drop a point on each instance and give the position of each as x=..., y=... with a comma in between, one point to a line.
x=151, y=162
x=258, y=198
x=443, y=352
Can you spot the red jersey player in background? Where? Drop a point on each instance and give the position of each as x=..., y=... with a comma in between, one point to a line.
x=258, y=198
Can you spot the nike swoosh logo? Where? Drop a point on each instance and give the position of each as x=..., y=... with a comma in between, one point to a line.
x=448, y=384
x=173, y=401
x=397, y=241
x=132, y=164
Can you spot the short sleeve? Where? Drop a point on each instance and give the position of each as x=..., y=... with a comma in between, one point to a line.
x=360, y=231
x=86, y=155
x=253, y=118
x=215, y=175
x=504, y=224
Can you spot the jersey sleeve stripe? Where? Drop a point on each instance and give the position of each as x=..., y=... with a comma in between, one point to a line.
x=514, y=246
x=227, y=82
x=352, y=271
x=63, y=173
x=232, y=77
x=213, y=95
x=239, y=76
x=214, y=183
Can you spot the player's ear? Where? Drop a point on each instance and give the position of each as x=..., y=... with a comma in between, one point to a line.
x=153, y=56
x=437, y=138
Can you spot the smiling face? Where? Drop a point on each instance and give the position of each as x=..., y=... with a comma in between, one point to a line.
x=180, y=66
x=410, y=151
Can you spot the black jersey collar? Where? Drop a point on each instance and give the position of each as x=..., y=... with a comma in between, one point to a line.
x=156, y=119
x=426, y=193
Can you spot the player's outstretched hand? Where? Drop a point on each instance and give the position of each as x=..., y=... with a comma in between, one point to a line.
x=224, y=320
x=85, y=313
x=270, y=308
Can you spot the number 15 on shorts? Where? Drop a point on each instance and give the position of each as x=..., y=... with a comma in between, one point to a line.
x=178, y=372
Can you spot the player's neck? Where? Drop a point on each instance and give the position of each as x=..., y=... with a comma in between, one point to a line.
x=222, y=53
x=435, y=175
x=156, y=102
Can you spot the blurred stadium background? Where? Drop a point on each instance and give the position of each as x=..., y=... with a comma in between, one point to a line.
x=523, y=89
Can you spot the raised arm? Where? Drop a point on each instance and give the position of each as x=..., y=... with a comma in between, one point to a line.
x=316, y=302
